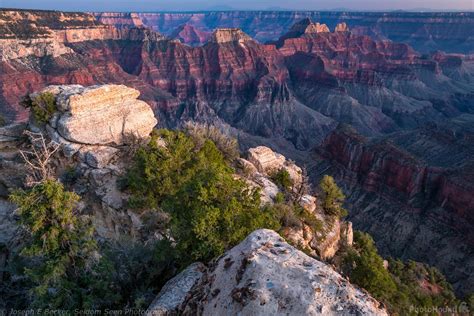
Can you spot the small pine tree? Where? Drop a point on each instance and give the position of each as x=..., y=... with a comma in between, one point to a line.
x=213, y=211
x=332, y=197
x=159, y=171
x=42, y=106
x=282, y=179
x=61, y=245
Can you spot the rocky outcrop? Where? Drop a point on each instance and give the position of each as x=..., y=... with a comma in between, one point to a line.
x=221, y=36
x=306, y=26
x=94, y=127
x=119, y=19
x=190, y=35
x=267, y=161
x=264, y=275
x=323, y=241
x=176, y=291
x=99, y=115
x=341, y=27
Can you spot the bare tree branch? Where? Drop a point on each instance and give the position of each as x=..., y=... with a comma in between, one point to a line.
x=38, y=158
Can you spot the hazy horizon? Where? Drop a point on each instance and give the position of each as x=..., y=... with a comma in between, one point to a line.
x=214, y=5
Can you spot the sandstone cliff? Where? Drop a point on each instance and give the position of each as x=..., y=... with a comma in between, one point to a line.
x=263, y=275
x=427, y=32
x=190, y=35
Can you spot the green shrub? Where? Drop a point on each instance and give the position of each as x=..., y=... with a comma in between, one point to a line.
x=279, y=198
x=158, y=172
x=3, y=122
x=282, y=179
x=227, y=145
x=213, y=211
x=399, y=286
x=309, y=219
x=42, y=106
x=61, y=245
x=365, y=268
x=332, y=197
x=210, y=210
x=133, y=272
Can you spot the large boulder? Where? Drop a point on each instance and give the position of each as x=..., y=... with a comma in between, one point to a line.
x=265, y=159
x=264, y=275
x=100, y=115
x=267, y=162
x=175, y=292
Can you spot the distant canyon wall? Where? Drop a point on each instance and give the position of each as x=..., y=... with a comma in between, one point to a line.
x=426, y=32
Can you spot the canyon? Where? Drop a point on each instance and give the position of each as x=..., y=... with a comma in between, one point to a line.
x=369, y=103
x=426, y=32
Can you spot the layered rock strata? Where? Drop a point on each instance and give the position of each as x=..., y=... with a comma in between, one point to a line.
x=427, y=31
x=99, y=115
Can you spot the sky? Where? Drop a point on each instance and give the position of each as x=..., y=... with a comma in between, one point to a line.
x=195, y=5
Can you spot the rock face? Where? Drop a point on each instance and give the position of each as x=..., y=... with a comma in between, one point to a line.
x=175, y=292
x=423, y=179
x=267, y=161
x=341, y=27
x=190, y=35
x=264, y=275
x=306, y=26
x=100, y=115
x=229, y=35
x=324, y=241
x=451, y=32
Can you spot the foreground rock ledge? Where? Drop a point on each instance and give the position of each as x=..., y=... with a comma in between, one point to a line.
x=100, y=115
x=263, y=275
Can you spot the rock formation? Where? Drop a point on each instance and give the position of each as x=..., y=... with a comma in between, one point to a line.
x=190, y=35
x=99, y=115
x=323, y=242
x=427, y=32
x=267, y=161
x=221, y=36
x=341, y=27
x=93, y=125
x=263, y=275
x=423, y=178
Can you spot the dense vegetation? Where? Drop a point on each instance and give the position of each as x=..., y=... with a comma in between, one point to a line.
x=402, y=286
x=42, y=106
x=185, y=182
x=192, y=181
x=61, y=246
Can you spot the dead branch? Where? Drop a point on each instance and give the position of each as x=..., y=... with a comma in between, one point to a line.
x=38, y=158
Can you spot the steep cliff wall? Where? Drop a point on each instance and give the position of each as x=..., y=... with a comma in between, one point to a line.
x=413, y=193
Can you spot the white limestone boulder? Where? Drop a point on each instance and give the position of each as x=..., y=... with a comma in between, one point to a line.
x=264, y=275
x=100, y=115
